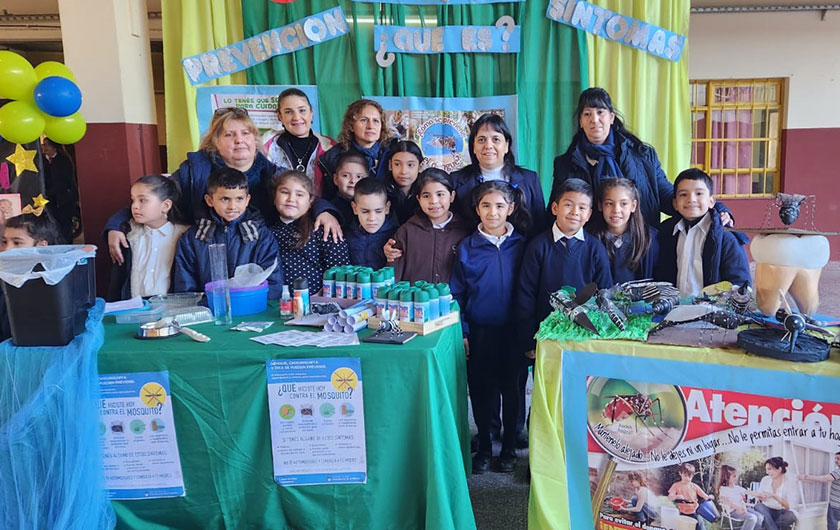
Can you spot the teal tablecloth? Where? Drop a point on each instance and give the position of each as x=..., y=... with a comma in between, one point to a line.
x=416, y=431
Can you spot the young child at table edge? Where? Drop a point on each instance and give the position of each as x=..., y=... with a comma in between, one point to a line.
x=227, y=219
x=688, y=492
x=483, y=282
x=694, y=249
x=303, y=250
x=26, y=230
x=349, y=171
x=565, y=254
x=429, y=239
x=152, y=235
x=372, y=226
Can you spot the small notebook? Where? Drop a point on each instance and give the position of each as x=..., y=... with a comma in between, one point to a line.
x=390, y=338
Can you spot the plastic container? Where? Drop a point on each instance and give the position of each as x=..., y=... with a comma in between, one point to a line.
x=173, y=300
x=406, y=305
x=421, y=306
x=381, y=301
x=243, y=300
x=393, y=305
x=389, y=275
x=301, y=298
x=286, y=306
x=377, y=281
x=341, y=284
x=329, y=283
x=445, y=298
x=140, y=317
x=434, y=302
x=363, y=287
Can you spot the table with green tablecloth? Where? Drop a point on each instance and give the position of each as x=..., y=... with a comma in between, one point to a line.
x=416, y=429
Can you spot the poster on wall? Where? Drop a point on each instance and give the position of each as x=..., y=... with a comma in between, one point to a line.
x=441, y=126
x=663, y=456
x=317, y=421
x=137, y=436
x=259, y=100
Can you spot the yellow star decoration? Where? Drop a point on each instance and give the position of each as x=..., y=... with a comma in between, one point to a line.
x=23, y=160
x=39, y=201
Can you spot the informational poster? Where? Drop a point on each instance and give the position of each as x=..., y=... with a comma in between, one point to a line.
x=317, y=421
x=137, y=435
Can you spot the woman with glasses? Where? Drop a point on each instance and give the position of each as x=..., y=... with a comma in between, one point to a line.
x=297, y=147
x=230, y=141
x=362, y=131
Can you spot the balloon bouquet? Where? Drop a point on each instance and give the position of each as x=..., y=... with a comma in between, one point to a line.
x=46, y=100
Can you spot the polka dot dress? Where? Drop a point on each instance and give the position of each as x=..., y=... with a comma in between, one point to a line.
x=313, y=259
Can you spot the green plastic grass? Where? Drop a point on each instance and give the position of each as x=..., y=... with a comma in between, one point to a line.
x=558, y=327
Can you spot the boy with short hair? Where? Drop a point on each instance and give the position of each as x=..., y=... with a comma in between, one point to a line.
x=694, y=249
x=350, y=170
x=373, y=225
x=563, y=255
x=228, y=220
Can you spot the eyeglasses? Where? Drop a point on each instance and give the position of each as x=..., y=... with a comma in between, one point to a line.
x=242, y=113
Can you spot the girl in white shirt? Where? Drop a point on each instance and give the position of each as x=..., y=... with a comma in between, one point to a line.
x=732, y=497
x=153, y=233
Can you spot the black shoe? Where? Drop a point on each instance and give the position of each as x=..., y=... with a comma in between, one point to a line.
x=507, y=463
x=480, y=464
x=522, y=439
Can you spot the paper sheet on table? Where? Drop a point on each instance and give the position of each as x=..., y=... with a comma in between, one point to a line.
x=305, y=338
x=313, y=319
x=124, y=305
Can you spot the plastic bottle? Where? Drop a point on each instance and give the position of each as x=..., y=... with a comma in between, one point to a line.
x=363, y=286
x=381, y=301
x=406, y=305
x=377, y=281
x=286, y=303
x=350, y=287
x=340, y=283
x=434, y=302
x=394, y=302
x=421, y=306
x=329, y=283
x=445, y=298
x=301, y=297
x=389, y=275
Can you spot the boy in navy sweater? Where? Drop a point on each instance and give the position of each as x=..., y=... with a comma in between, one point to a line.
x=563, y=255
x=372, y=226
x=228, y=220
x=694, y=249
x=351, y=169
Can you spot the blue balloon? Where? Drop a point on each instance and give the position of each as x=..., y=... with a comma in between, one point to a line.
x=57, y=96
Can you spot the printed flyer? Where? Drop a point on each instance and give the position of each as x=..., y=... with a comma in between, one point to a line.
x=137, y=436
x=679, y=457
x=317, y=421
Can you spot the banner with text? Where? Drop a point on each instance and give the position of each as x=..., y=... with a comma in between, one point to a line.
x=447, y=39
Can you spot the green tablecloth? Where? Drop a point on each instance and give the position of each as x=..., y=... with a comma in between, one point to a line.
x=415, y=425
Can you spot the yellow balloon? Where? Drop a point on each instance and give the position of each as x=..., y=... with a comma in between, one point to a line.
x=66, y=129
x=17, y=77
x=53, y=68
x=21, y=122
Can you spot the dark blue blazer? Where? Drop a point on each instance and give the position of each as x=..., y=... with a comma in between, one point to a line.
x=365, y=248
x=546, y=267
x=467, y=179
x=724, y=257
x=484, y=279
x=247, y=240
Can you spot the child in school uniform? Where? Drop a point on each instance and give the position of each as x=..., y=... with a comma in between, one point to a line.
x=152, y=235
x=304, y=251
x=227, y=219
x=694, y=249
x=351, y=168
x=404, y=162
x=373, y=225
x=483, y=282
x=429, y=239
x=563, y=255
x=631, y=244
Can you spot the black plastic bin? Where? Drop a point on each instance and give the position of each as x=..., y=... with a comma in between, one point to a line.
x=51, y=315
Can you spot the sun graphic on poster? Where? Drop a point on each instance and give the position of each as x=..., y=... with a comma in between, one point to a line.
x=152, y=394
x=343, y=379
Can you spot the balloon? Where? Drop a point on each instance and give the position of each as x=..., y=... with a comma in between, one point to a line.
x=53, y=68
x=57, y=96
x=20, y=122
x=17, y=77
x=65, y=130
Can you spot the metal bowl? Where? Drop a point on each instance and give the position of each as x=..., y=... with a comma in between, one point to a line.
x=153, y=330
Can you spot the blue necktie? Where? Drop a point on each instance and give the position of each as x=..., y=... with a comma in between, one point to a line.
x=571, y=243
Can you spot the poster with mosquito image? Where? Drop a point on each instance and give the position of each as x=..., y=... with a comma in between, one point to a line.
x=679, y=457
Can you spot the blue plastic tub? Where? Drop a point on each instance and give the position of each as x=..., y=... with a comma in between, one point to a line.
x=243, y=300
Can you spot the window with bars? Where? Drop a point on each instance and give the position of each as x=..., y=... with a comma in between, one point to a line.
x=736, y=127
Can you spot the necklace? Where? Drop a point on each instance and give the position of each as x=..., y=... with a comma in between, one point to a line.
x=313, y=142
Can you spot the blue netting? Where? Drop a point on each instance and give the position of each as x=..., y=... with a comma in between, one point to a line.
x=50, y=457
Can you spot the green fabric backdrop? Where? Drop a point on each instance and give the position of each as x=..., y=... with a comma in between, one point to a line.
x=547, y=75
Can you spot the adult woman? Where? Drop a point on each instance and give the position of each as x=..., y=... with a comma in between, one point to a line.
x=230, y=141
x=492, y=158
x=362, y=131
x=298, y=146
x=604, y=147
x=643, y=501
x=775, y=493
x=61, y=188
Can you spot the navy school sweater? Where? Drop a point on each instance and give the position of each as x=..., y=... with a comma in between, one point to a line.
x=618, y=264
x=483, y=280
x=546, y=267
x=345, y=210
x=366, y=248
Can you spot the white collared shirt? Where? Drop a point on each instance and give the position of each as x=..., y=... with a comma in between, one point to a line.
x=497, y=240
x=443, y=224
x=152, y=252
x=558, y=234
x=690, y=243
x=492, y=174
